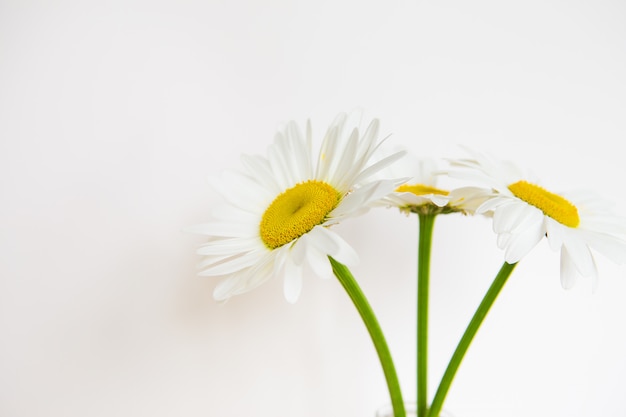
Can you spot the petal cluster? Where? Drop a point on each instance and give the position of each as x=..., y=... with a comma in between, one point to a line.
x=420, y=192
x=521, y=223
x=236, y=250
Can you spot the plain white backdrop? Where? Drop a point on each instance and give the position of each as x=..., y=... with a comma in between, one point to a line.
x=112, y=115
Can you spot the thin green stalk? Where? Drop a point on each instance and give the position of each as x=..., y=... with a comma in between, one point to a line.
x=426, y=225
x=367, y=315
x=468, y=336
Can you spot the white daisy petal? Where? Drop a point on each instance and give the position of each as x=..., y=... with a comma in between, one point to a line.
x=299, y=249
x=374, y=168
x=358, y=200
x=279, y=258
x=226, y=246
x=323, y=239
x=581, y=256
x=438, y=200
x=232, y=265
x=226, y=288
x=533, y=219
x=320, y=264
x=309, y=138
x=302, y=153
x=256, y=275
x=470, y=198
x=503, y=239
x=293, y=281
x=554, y=232
x=608, y=245
x=230, y=185
x=228, y=213
x=492, y=203
x=508, y=217
x=261, y=168
x=282, y=169
x=239, y=283
x=520, y=244
x=345, y=253
x=346, y=163
x=569, y=274
x=370, y=137
x=327, y=158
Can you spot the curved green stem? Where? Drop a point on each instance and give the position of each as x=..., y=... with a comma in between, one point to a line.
x=426, y=225
x=468, y=336
x=367, y=314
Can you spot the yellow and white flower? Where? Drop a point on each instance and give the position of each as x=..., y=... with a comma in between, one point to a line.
x=420, y=192
x=277, y=212
x=524, y=212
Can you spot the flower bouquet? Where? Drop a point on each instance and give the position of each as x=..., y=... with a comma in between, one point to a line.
x=279, y=209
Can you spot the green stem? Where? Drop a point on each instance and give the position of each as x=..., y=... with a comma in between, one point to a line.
x=367, y=314
x=426, y=225
x=468, y=336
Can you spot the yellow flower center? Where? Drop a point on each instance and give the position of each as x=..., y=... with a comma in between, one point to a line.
x=552, y=205
x=420, y=189
x=297, y=211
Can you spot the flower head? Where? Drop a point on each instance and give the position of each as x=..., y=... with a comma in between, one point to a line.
x=420, y=192
x=524, y=212
x=278, y=208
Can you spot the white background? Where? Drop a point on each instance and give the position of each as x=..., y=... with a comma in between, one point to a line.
x=112, y=115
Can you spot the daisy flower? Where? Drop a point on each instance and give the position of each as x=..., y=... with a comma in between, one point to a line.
x=420, y=192
x=524, y=212
x=278, y=209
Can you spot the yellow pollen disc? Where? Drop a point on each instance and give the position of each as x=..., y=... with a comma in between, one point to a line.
x=297, y=211
x=420, y=189
x=550, y=204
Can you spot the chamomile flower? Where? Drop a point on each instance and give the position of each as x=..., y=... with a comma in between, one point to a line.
x=279, y=208
x=524, y=213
